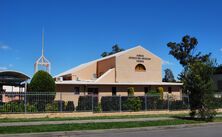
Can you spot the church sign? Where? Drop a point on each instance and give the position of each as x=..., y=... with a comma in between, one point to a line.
x=139, y=58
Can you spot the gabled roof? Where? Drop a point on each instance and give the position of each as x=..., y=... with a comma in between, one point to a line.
x=107, y=57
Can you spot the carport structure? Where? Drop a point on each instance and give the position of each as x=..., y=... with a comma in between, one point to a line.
x=13, y=78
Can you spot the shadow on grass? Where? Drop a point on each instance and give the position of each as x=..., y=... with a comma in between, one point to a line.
x=192, y=118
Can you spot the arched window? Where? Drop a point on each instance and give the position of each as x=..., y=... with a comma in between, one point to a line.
x=140, y=68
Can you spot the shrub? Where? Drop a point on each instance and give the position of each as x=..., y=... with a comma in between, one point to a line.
x=130, y=91
x=178, y=105
x=70, y=106
x=160, y=90
x=153, y=93
x=110, y=103
x=132, y=104
x=85, y=103
x=154, y=102
x=31, y=108
x=55, y=106
x=98, y=109
x=14, y=106
x=52, y=107
x=42, y=90
x=61, y=105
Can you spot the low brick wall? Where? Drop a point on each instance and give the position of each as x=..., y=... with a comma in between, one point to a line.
x=90, y=114
x=87, y=114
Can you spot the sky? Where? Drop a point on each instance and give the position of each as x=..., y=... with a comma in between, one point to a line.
x=78, y=31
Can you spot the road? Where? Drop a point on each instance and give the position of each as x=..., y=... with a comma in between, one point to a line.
x=211, y=130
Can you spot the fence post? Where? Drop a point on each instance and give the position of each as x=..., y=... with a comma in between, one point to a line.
x=25, y=103
x=120, y=103
x=61, y=107
x=145, y=102
x=25, y=99
x=168, y=102
x=92, y=103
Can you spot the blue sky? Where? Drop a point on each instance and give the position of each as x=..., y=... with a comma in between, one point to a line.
x=78, y=31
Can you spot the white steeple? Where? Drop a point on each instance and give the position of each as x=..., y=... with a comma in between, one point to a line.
x=42, y=61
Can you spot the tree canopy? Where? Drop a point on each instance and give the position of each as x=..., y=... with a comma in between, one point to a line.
x=196, y=76
x=41, y=90
x=115, y=49
x=169, y=77
x=42, y=82
x=184, y=51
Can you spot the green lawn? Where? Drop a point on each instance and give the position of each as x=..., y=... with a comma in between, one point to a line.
x=92, y=126
x=85, y=118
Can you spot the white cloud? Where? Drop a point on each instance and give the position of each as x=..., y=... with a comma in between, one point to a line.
x=165, y=62
x=4, y=47
x=10, y=65
x=3, y=68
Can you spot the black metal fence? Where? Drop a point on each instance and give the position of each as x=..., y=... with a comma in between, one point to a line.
x=68, y=102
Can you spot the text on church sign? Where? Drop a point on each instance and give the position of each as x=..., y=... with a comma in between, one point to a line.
x=139, y=58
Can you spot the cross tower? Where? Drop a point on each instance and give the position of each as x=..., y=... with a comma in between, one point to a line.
x=42, y=61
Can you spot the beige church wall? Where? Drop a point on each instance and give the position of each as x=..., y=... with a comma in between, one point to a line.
x=108, y=77
x=85, y=73
x=119, y=88
x=69, y=88
x=105, y=65
x=67, y=96
x=125, y=67
x=67, y=91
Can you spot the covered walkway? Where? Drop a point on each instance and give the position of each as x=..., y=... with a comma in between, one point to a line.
x=10, y=80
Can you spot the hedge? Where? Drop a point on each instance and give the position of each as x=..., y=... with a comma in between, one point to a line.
x=55, y=106
x=19, y=106
x=111, y=103
x=70, y=106
x=85, y=103
x=132, y=104
x=178, y=105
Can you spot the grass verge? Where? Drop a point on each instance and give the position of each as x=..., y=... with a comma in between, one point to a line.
x=94, y=126
x=5, y=120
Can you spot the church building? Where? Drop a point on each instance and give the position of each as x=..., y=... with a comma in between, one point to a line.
x=113, y=75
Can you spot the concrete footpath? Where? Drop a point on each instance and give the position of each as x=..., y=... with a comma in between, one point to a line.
x=82, y=121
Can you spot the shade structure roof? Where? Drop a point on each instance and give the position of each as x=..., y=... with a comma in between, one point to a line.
x=12, y=78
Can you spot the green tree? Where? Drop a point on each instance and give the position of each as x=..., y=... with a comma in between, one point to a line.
x=169, y=77
x=104, y=54
x=198, y=82
x=184, y=51
x=115, y=49
x=196, y=76
x=41, y=89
